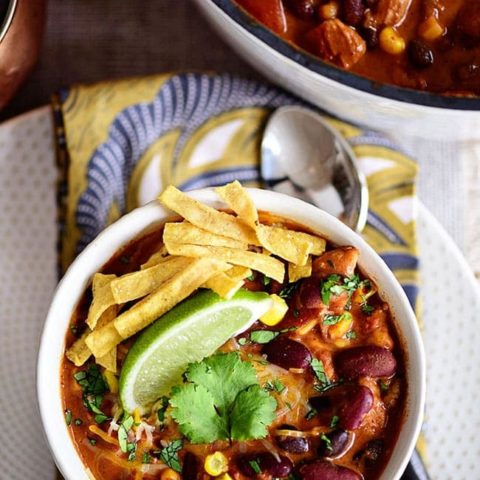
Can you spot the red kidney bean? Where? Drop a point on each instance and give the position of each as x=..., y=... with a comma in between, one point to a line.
x=349, y=402
x=277, y=469
x=354, y=407
x=267, y=464
x=352, y=12
x=337, y=445
x=309, y=294
x=287, y=353
x=324, y=470
x=298, y=316
x=190, y=467
x=293, y=444
x=367, y=361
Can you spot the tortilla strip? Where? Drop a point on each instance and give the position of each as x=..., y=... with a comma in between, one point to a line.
x=187, y=233
x=103, y=339
x=223, y=285
x=318, y=244
x=109, y=360
x=102, y=298
x=269, y=266
x=206, y=217
x=238, y=199
x=169, y=294
x=286, y=244
x=156, y=258
x=142, y=282
x=238, y=272
x=296, y=272
x=79, y=353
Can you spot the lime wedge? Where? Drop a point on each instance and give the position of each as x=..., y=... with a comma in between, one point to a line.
x=189, y=332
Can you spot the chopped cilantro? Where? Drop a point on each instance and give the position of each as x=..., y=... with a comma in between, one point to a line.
x=351, y=335
x=146, y=458
x=367, y=309
x=78, y=422
x=319, y=370
x=289, y=405
x=334, y=421
x=163, y=408
x=222, y=400
x=296, y=313
x=251, y=277
x=384, y=386
x=132, y=451
x=276, y=386
x=74, y=330
x=242, y=341
x=169, y=455
x=288, y=290
x=94, y=386
x=311, y=413
x=334, y=284
x=327, y=441
x=266, y=281
x=263, y=336
x=68, y=417
x=125, y=427
x=255, y=466
x=92, y=441
x=331, y=319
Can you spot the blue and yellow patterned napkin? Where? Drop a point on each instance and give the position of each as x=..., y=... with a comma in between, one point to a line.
x=119, y=143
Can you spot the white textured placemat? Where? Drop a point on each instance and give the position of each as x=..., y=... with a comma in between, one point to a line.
x=27, y=278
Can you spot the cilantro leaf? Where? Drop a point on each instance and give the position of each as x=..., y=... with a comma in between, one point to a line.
x=367, y=309
x=122, y=434
x=163, y=408
x=331, y=319
x=252, y=413
x=334, y=284
x=351, y=335
x=194, y=411
x=334, y=421
x=319, y=370
x=223, y=376
x=263, y=336
x=288, y=290
x=327, y=441
x=326, y=286
x=221, y=400
x=169, y=455
x=255, y=466
x=91, y=381
x=68, y=417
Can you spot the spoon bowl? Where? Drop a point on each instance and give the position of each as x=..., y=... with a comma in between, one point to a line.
x=304, y=156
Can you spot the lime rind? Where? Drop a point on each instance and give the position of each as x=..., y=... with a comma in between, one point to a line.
x=189, y=332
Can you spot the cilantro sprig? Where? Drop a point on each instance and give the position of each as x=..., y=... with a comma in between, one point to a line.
x=169, y=455
x=222, y=400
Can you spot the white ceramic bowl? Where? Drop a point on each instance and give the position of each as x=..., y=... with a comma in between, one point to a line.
x=79, y=275
x=344, y=94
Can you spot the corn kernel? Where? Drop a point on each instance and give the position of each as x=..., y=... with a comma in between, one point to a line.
x=328, y=11
x=276, y=313
x=216, y=464
x=342, y=327
x=112, y=381
x=169, y=474
x=224, y=476
x=391, y=42
x=430, y=29
x=137, y=419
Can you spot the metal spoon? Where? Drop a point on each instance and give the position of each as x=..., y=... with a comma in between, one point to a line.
x=305, y=157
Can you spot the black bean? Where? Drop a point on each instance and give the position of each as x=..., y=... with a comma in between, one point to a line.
x=303, y=8
x=352, y=12
x=370, y=35
x=287, y=353
x=420, y=54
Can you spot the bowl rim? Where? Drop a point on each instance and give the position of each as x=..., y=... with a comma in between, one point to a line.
x=78, y=276
x=339, y=75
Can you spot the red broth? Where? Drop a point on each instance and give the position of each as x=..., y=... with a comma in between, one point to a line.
x=353, y=411
x=440, y=38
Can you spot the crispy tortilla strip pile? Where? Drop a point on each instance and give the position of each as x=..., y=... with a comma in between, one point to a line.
x=208, y=249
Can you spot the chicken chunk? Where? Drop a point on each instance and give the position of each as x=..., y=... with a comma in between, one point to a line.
x=391, y=13
x=338, y=43
x=341, y=261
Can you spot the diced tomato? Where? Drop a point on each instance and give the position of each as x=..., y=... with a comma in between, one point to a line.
x=269, y=12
